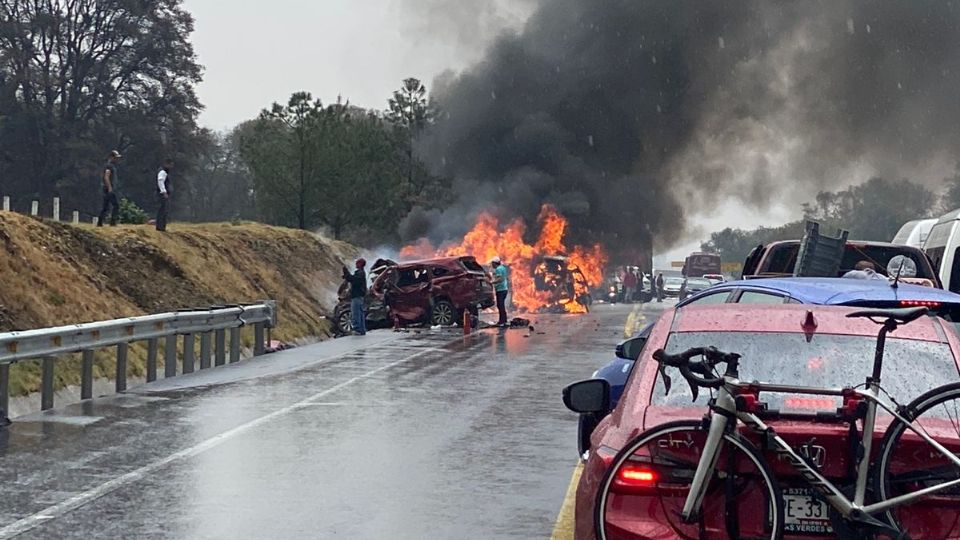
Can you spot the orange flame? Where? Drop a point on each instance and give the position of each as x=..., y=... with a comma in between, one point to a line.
x=488, y=239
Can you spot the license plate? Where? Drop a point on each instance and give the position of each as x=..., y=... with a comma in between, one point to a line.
x=804, y=513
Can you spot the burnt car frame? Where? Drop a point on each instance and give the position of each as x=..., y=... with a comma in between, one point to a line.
x=564, y=281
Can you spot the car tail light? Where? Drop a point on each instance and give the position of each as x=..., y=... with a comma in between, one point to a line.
x=920, y=303
x=631, y=475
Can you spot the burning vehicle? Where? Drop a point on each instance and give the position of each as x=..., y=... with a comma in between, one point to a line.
x=434, y=291
x=565, y=284
x=546, y=275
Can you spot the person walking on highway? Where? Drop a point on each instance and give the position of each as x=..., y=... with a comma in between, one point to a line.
x=358, y=295
x=501, y=284
x=110, y=196
x=659, y=285
x=163, y=194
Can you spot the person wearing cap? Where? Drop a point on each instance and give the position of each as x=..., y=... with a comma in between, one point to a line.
x=110, y=183
x=358, y=295
x=501, y=284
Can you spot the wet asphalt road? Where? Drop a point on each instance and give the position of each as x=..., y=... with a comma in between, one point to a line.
x=399, y=436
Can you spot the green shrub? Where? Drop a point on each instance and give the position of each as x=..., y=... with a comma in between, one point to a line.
x=131, y=213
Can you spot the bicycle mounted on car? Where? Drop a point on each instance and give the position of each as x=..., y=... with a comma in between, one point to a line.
x=856, y=512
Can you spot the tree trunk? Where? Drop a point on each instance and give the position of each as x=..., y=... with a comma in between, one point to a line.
x=302, y=210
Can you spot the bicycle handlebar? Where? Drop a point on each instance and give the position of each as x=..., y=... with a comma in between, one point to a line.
x=690, y=370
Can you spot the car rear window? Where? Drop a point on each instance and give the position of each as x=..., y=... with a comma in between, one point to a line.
x=881, y=255
x=783, y=257
x=471, y=264
x=833, y=361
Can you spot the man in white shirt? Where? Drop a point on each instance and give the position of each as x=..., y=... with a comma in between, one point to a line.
x=163, y=193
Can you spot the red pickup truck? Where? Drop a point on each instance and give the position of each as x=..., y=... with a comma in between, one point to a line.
x=777, y=259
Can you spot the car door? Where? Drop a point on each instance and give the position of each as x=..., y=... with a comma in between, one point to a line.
x=408, y=293
x=752, y=261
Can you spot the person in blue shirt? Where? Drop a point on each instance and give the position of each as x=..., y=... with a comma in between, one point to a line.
x=501, y=284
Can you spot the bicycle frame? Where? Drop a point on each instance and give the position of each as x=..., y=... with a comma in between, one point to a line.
x=725, y=408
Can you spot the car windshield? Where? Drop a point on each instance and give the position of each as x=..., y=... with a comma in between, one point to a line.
x=673, y=281
x=910, y=367
x=697, y=282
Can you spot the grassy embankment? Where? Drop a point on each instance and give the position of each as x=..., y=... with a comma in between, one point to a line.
x=55, y=274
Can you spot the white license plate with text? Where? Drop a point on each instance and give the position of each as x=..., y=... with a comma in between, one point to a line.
x=804, y=513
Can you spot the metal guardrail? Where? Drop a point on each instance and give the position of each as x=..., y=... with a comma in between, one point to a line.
x=210, y=324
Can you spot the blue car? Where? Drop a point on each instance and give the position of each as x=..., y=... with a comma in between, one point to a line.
x=820, y=291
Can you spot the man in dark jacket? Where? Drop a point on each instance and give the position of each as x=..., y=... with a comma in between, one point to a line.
x=358, y=294
x=110, y=197
x=659, y=285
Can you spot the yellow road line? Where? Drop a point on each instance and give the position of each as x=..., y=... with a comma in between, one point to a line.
x=631, y=324
x=563, y=528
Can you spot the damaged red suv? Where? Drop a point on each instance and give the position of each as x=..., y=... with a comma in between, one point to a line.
x=776, y=347
x=434, y=291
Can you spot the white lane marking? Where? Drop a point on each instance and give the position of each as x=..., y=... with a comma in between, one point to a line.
x=53, y=512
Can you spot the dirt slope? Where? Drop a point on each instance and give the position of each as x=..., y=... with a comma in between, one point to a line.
x=54, y=273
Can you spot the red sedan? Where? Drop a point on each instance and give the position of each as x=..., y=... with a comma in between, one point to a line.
x=778, y=345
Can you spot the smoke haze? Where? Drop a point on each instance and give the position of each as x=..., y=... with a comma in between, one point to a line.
x=631, y=115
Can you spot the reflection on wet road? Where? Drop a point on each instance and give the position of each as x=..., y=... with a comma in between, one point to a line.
x=428, y=435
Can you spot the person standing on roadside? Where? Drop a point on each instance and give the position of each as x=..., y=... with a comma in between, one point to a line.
x=629, y=285
x=660, y=287
x=501, y=284
x=110, y=196
x=163, y=194
x=358, y=295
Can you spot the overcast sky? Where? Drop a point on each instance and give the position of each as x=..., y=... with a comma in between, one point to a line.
x=256, y=52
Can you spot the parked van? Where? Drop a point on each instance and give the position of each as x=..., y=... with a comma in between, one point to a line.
x=943, y=248
x=914, y=233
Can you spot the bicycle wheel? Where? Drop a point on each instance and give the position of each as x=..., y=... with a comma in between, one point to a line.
x=907, y=463
x=646, y=485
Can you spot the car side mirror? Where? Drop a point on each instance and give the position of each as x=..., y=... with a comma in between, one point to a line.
x=630, y=349
x=589, y=396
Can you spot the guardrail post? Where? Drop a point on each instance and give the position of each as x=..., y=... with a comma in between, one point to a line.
x=95, y=220
x=35, y=208
x=121, y=383
x=205, y=350
x=258, y=345
x=152, y=360
x=234, y=345
x=170, y=357
x=188, y=353
x=4, y=393
x=86, y=375
x=56, y=208
x=220, y=347
x=6, y=203
x=76, y=217
x=46, y=383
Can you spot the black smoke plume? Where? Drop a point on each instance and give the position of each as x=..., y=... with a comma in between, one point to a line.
x=632, y=115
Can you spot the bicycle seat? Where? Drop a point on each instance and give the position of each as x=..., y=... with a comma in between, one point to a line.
x=902, y=315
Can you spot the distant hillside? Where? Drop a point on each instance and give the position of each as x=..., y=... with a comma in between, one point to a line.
x=54, y=273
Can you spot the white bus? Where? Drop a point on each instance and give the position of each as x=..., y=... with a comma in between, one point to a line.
x=943, y=248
